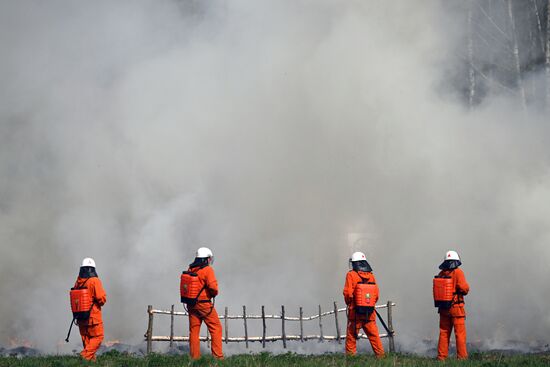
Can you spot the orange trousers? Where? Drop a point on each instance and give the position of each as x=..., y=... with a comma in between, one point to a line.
x=446, y=325
x=92, y=336
x=369, y=326
x=207, y=313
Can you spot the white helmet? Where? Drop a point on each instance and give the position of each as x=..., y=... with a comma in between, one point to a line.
x=451, y=255
x=204, y=252
x=88, y=262
x=357, y=256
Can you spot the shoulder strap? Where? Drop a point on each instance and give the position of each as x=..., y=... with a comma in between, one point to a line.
x=83, y=284
x=458, y=297
x=202, y=289
x=204, y=286
x=199, y=268
x=363, y=280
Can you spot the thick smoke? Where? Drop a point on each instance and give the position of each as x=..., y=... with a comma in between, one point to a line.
x=284, y=135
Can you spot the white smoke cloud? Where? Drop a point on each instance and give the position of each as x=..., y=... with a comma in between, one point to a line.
x=133, y=132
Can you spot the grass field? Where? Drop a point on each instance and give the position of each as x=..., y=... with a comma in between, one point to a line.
x=115, y=359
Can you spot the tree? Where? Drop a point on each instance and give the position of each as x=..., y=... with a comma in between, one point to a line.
x=519, y=78
x=471, y=71
x=547, y=56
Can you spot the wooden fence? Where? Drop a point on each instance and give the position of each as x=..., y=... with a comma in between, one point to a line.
x=388, y=326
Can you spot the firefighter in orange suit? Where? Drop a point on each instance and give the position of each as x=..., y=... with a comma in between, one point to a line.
x=455, y=316
x=203, y=309
x=361, y=272
x=91, y=329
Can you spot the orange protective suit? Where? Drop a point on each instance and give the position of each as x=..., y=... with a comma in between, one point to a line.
x=91, y=330
x=454, y=318
x=204, y=311
x=358, y=322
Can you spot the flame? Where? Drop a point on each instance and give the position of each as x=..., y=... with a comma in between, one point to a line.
x=110, y=343
x=18, y=342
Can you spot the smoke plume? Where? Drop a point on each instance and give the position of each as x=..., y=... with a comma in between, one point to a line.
x=283, y=135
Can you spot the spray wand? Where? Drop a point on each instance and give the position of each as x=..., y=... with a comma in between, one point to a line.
x=70, y=328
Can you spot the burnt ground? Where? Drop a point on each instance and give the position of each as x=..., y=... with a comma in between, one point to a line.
x=428, y=348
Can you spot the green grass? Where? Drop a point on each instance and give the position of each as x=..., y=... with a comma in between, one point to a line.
x=115, y=359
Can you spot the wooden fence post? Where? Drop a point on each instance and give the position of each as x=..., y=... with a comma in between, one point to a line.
x=390, y=326
x=264, y=328
x=283, y=325
x=245, y=327
x=149, y=336
x=172, y=327
x=226, y=326
x=321, y=338
x=301, y=325
x=336, y=320
x=150, y=330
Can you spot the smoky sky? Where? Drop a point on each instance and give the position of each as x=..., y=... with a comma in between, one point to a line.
x=283, y=135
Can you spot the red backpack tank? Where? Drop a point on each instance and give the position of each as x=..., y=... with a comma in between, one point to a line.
x=81, y=302
x=443, y=290
x=190, y=288
x=365, y=295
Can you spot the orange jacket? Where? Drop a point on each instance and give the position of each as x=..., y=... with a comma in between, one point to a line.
x=461, y=289
x=207, y=280
x=352, y=278
x=99, y=298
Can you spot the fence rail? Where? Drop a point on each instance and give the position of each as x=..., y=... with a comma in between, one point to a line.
x=150, y=337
